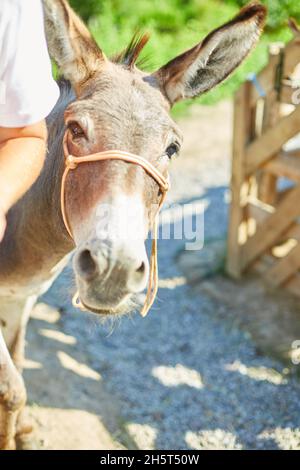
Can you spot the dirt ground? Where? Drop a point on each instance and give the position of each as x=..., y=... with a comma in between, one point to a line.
x=161, y=382
x=67, y=400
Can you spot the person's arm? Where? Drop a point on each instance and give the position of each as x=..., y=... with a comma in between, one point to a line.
x=28, y=94
x=22, y=153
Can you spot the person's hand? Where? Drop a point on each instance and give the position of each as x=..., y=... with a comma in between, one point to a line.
x=2, y=223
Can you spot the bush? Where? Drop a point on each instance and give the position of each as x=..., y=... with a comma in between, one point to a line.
x=169, y=15
x=279, y=11
x=86, y=8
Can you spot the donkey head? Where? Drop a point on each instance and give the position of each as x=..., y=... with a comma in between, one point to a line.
x=118, y=106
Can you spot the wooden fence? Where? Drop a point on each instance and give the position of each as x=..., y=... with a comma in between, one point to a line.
x=264, y=228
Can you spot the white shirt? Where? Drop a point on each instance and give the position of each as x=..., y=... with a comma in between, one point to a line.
x=27, y=90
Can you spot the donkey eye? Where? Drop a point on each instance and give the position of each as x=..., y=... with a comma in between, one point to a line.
x=76, y=130
x=173, y=149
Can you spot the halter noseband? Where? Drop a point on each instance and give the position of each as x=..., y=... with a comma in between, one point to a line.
x=71, y=162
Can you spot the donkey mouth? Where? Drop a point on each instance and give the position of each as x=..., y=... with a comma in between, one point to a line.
x=122, y=308
x=98, y=311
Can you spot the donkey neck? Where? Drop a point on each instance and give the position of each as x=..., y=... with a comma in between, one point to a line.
x=36, y=238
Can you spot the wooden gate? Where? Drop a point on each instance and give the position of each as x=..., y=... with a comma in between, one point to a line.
x=264, y=227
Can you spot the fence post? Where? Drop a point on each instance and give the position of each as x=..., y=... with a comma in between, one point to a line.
x=241, y=135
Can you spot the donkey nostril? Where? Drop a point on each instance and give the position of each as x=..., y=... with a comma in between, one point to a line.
x=141, y=268
x=137, y=276
x=87, y=264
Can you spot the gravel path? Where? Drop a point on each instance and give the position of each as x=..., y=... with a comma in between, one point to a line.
x=185, y=377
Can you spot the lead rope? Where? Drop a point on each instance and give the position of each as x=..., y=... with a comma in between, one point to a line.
x=72, y=162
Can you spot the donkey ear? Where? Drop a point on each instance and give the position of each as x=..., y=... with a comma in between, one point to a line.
x=204, y=66
x=70, y=43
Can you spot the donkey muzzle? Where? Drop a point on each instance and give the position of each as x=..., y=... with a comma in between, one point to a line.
x=108, y=272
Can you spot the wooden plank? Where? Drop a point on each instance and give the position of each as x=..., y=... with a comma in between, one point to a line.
x=267, y=187
x=289, y=95
x=237, y=214
x=255, y=216
x=291, y=153
x=284, y=165
x=291, y=57
x=267, y=182
x=263, y=148
x=266, y=77
x=284, y=269
x=293, y=232
x=259, y=211
x=266, y=81
x=282, y=194
x=274, y=226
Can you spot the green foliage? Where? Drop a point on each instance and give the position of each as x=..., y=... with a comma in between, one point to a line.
x=279, y=11
x=86, y=8
x=176, y=25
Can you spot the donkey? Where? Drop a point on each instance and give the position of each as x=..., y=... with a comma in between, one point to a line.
x=104, y=104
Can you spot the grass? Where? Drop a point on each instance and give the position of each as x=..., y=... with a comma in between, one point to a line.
x=176, y=25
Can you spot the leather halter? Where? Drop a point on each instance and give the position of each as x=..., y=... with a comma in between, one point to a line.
x=71, y=163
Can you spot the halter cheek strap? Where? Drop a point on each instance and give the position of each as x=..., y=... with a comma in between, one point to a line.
x=72, y=162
